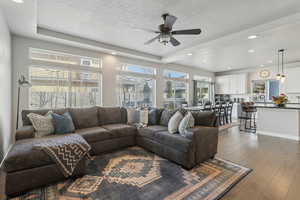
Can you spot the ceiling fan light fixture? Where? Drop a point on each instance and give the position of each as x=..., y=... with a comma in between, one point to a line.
x=164, y=39
x=166, y=33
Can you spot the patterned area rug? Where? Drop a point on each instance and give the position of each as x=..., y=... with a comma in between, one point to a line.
x=135, y=174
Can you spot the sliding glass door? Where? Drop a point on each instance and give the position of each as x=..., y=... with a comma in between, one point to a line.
x=203, y=91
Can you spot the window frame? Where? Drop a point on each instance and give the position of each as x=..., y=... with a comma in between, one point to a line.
x=63, y=53
x=172, y=78
x=123, y=65
x=183, y=80
x=67, y=67
x=137, y=75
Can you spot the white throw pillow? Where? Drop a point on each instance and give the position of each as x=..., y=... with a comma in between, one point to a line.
x=174, y=122
x=43, y=125
x=187, y=122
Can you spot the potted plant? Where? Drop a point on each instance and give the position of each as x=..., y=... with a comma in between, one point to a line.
x=280, y=100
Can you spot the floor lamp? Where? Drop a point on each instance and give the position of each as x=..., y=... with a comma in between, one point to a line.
x=22, y=82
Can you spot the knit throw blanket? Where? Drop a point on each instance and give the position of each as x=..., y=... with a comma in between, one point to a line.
x=66, y=151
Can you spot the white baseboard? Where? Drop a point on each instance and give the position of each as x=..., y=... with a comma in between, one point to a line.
x=290, y=137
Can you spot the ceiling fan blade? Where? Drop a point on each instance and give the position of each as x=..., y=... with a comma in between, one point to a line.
x=174, y=42
x=169, y=21
x=152, y=40
x=146, y=30
x=187, y=32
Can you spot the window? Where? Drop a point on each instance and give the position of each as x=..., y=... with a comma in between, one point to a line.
x=138, y=69
x=57, y=88
x=176, y=89
x=175, y=74
x=175, y=94
x=203, y=89
x=136, y=86
x=202, y=78
x=64, y=58
x=61, y=86
x=136, y=91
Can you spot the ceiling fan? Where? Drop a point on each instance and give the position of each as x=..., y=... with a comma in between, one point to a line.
x=165, y=33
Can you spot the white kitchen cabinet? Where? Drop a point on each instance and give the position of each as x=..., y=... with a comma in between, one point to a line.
x=293, y=80
x=231, y=84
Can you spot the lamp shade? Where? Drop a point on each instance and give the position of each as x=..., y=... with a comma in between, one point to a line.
x=23, y=82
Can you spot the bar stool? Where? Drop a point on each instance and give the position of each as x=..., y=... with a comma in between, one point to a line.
x=220, y=111
x=229, y=107
x=207, y=106
x=248, y=117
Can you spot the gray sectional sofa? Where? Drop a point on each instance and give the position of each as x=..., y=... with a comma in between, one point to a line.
x=106, y=129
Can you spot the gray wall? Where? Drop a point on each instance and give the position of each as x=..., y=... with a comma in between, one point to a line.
x=5, y=87
x=110, y=66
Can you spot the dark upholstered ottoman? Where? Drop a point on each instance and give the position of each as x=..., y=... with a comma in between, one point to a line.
x=27, y=168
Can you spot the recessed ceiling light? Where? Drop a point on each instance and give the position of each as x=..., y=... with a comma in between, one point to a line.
x=262, y=65
x=189, y=54
x=113, y=53
x=229, y=68
x=270, y=61
x=251, y=51
x=18, y=1
x=204, y=61
x=251, y=37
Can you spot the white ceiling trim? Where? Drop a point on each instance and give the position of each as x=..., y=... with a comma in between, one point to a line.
x=245, y=70
x=181, y=54
x=87, y=43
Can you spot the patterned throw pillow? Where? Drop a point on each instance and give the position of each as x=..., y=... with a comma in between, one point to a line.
x=133, y=116
x=63, y=123
x=187, y=122
x=174, y=122
x=42, y=125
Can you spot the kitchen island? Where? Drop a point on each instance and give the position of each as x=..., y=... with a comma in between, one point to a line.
x=279, y=121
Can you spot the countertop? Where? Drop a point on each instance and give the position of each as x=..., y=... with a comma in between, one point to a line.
x=272, y=106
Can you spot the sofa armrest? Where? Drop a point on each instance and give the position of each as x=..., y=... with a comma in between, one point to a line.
x=205, y=140
x=25, y=132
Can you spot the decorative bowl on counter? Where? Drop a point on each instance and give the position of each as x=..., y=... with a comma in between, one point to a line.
x=280, y=100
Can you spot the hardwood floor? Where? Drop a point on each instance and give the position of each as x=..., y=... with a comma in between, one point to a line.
x=275, y=163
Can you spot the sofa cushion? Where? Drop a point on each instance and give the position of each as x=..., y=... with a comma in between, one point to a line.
x=84, y=117
x=204, y=118
x=165, y=117
x=94, y=134
x=22, y=155
x=26, y=120
x=149, y=131
x=175, y=141
x=112, y=115
x=120, y=130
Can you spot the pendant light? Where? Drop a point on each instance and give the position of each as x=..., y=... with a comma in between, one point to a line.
x=280, y=66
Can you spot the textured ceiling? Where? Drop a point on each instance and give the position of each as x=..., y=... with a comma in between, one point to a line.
x=223, y=44
x=114, y=21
